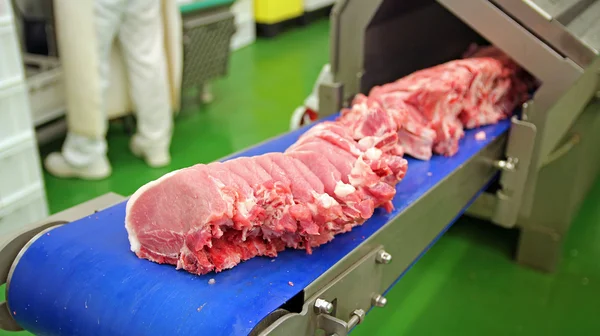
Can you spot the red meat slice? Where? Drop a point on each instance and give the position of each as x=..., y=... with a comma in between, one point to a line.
x=342, y=160
x=354, y=205
x=312, y=207
x=354, y=209
x=337, y=135
x=373, y=125
x=237, y=193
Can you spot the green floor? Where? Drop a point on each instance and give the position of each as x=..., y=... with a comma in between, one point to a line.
x=466, y=284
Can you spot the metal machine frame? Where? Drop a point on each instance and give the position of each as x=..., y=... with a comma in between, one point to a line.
x=357, y=283
x=560, y=50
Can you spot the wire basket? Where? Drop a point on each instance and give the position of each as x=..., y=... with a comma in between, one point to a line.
x=206, y=41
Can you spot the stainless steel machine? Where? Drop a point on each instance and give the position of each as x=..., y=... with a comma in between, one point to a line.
x=554, y=144
x=531, y=173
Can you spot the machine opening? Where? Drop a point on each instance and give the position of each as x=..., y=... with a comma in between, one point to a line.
x=406, y=36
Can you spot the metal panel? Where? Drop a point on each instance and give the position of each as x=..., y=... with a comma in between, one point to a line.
x=587, y=26
x=331, y=97
x=563, y=183
x=554, y=123
x=349, y=20
x=560, y=8
x=557, y=74
x=553, y=44
x=547, y=25
x=521, y=140
x=415, y=44
x=561, y=117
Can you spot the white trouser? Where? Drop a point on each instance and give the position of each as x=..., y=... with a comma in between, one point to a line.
x=138, y=26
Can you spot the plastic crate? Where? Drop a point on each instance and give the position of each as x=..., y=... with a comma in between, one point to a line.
x=243, y=10
x=275, y=11
x=5, y=12
x=19, y=167
x=29, y=207
x=206, y=43
x=11, y=64
x=245, y=34
x=46, y=88
x=15, y=117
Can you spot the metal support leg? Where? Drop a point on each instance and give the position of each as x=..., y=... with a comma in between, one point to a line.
x=539, y=248
x=564, y=180
x=205, y=93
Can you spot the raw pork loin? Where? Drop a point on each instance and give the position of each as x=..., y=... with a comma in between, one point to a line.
x=212, y=217
x=439, y=102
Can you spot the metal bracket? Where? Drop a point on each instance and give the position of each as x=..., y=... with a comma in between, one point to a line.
x=12, y=247
x=515, y=169
x=335, y=327
x=331, y=98
x=342, y=304
x=508, y=165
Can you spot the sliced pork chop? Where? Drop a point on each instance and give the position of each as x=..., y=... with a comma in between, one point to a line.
x=307, y=199
x=171, y=219
x=342, y=160
x=353, y=206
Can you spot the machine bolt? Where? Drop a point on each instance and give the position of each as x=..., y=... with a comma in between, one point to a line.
x=379, y=301
x=357, y=317
x=509, y=165
x=323, y=307
x=383, y=257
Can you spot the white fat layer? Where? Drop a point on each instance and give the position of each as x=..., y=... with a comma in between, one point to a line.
x=359, y=170
x=342, y=189
x=366, y=142
x=244, y=207
x=184, y=251
x=373, y=153
x=323, y=200
x=327, y=201
x=134, y=242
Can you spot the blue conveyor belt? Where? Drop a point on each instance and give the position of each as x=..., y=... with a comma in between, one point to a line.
x=82, y=279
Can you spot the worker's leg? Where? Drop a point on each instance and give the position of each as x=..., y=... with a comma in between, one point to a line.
x=84, y=155
x=142, y=40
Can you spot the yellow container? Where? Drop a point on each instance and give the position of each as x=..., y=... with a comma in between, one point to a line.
x=274, y=11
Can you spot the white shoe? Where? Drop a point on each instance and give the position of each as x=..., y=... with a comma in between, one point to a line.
x=206, y=95
x=155, y=156
x=57, y=165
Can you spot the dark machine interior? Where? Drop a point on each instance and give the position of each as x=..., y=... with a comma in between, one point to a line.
x=409, y=35
x=406, y=36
